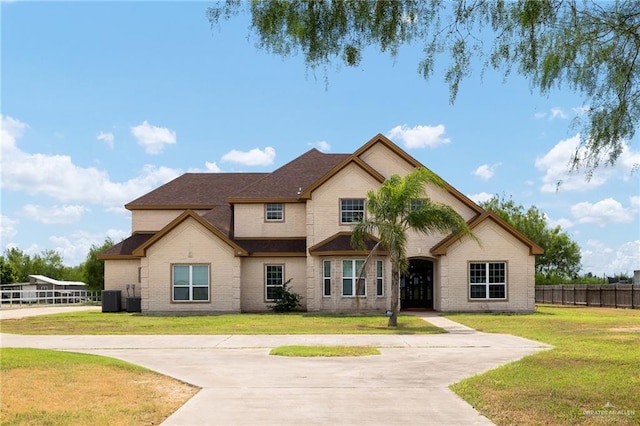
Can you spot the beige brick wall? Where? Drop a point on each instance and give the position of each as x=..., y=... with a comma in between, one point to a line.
x=119, y=273
x=497, y=245
x=339, y=303
x=253, y=280
x=385, y=161
x=323, y=210
x=190, y=243
x=154, y=220
x=250, y=223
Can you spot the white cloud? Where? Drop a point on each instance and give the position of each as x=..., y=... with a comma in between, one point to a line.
x=75, y=247
x=107, y=138
x=599, y=259
x=480, y=197
x=419, y=136
x=57, y=177
x=563, y=223
x=7, y=230
x=603, y=212
x=54, y=214
x=254, y=157
x=212, y=167
x=557, y=112
x=634, y=200
x=322, y=146
x=556, y=166
x=153, y=139
x=486, y=171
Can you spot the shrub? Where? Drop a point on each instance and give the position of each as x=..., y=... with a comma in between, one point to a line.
x=286, y=300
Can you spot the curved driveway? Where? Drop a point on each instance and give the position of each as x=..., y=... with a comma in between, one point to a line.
x=242, y=385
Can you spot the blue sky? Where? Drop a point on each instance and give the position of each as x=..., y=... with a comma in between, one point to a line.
x=102, y=102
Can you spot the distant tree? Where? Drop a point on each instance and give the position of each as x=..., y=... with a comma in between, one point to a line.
x=401, y=205
x=561, y=258
x=7, y=274
x=589, y=46
x=94, y=267
x=20, y=262
x=49, y=263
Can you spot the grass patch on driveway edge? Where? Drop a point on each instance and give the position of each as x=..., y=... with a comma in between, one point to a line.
x=592, y=376
x=324, y=351
x=53, y=388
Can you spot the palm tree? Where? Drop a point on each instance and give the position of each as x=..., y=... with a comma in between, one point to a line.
x=400, y=205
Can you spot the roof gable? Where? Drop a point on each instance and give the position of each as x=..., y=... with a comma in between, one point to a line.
x=442, y=247
x=189, y=214
x=351, y=159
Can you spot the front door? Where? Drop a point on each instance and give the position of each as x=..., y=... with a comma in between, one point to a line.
x=416, y=287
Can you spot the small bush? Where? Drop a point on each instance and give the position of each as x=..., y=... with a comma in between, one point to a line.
x=286, y=300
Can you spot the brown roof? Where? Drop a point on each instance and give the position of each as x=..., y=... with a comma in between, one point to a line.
x=195, y=191
x=126, y=247
x=340, y=243
x=287, y=182
x=274, y=246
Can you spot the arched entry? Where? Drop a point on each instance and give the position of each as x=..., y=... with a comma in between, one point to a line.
x=416, y=287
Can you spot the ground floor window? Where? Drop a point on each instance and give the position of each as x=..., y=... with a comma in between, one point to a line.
x=190, y=283
x=326, y=278
x=273, y=281
x=487, y=280
x=350, y=272
x=379, y=278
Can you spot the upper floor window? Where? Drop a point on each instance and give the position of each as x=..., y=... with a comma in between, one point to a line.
x=416, y=203
x=351, y=210
x=190, y=283
x=274, y=212
x=488, y=280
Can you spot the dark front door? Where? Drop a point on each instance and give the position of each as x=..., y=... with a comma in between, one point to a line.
x=416, y=287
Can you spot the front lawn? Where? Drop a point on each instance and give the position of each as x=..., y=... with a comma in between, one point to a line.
x=43, y=387
x=592, y=376
x=92, y=322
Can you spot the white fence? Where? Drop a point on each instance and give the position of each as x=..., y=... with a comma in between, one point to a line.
x=30, y=297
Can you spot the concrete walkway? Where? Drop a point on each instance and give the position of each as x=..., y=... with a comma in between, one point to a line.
x=242, y=385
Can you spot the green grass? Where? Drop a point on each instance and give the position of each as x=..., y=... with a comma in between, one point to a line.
x=92, y=322
x=43, y=387
x=324, y=351
x=592, y=376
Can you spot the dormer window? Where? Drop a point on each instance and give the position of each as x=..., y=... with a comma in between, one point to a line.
x=274, y=212
x=351, y=210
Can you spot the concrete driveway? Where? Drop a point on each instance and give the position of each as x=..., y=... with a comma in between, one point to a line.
x=242, y=385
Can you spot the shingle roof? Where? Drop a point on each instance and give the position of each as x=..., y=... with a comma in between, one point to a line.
x=340, y=243
x=290, y=246
x=127, y=246
x=292, y=178
x=195, y=191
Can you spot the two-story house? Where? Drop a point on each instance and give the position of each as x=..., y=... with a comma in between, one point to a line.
x=223, y=242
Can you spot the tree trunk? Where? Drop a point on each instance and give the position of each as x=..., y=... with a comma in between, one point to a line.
x=395, y=296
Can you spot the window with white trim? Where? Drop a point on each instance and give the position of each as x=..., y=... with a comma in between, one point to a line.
x=273, y=281
x=351, y=210
x=380, y=278
x=350, y=272
x=190, y=283
x=274, y=212
x=487, y=280
x=326, y=278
